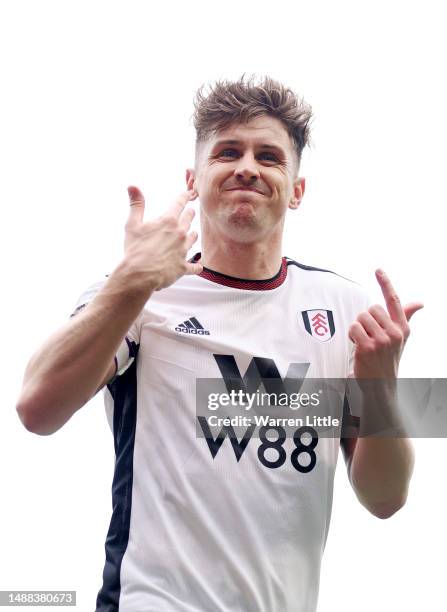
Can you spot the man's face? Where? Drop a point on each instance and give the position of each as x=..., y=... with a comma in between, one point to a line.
x=246, y=178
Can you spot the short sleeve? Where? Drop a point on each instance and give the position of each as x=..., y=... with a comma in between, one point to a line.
x=128, y=348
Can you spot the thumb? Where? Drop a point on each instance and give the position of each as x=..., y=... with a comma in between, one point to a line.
x=410, y=309
x=136, y=201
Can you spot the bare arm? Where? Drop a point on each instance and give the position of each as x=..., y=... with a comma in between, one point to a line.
x=381, y=466
x=79, y=358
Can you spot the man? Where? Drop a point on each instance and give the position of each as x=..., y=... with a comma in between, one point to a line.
x=205, y=522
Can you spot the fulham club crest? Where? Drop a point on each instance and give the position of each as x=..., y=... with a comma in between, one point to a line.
x=319, y=324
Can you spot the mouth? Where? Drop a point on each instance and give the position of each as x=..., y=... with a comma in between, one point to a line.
x=245, y=189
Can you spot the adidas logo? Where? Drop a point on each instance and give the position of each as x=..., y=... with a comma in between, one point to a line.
x=192, y=326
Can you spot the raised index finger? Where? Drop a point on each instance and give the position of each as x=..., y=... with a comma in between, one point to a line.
x=177, y=207
x=392, y=300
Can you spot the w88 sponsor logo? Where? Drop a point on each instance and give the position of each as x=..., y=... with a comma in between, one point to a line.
x=263, y=370
x=214, y=444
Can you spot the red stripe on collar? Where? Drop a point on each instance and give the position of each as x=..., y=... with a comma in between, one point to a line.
x=244, y=283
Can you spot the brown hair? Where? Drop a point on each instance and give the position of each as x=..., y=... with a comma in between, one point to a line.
x=229, y=102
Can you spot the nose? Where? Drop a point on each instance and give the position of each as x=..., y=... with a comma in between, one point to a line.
x=247, y=171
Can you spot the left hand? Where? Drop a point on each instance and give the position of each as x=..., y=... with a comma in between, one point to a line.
x=379, y=336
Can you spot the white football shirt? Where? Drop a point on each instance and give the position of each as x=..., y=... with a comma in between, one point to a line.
x=205, y=525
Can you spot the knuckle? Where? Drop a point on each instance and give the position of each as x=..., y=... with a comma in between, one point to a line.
x=354, y=327
x=169, y=221
x=397, y=335
x=363, y=317
x=369, y=348
x=384, y=341
x=375, y=308
x=365, y=348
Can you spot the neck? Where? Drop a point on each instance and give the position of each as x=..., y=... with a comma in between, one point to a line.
x=256, y=260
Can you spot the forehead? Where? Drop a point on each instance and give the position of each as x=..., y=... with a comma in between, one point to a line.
x=259, y=131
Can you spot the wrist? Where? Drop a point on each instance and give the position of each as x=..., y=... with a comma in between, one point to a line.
x=132, y=281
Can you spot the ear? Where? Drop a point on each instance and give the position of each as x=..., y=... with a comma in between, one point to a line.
x=299, y=186
x=190, y=178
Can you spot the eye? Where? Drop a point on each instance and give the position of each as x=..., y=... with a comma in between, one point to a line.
x=263, y=156
x=228, y=153
x=268, y=156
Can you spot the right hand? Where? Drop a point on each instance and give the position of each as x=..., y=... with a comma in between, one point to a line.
x=157, y=250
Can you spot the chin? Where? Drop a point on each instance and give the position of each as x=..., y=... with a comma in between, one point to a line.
x=244, y=213
x=242, y=228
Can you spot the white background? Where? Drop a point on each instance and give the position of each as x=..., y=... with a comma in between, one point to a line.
x=98, y=95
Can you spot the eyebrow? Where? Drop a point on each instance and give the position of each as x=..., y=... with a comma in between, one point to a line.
x=239, y=142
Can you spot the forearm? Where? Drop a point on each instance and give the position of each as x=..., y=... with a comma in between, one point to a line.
x=67, y=370
x=380, y=473
x=383, y=459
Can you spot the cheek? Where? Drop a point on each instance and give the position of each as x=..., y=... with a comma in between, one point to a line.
x=286, y=189
x=208, y=190
x=278, y=182
x=209, y=181
x=279, y=190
